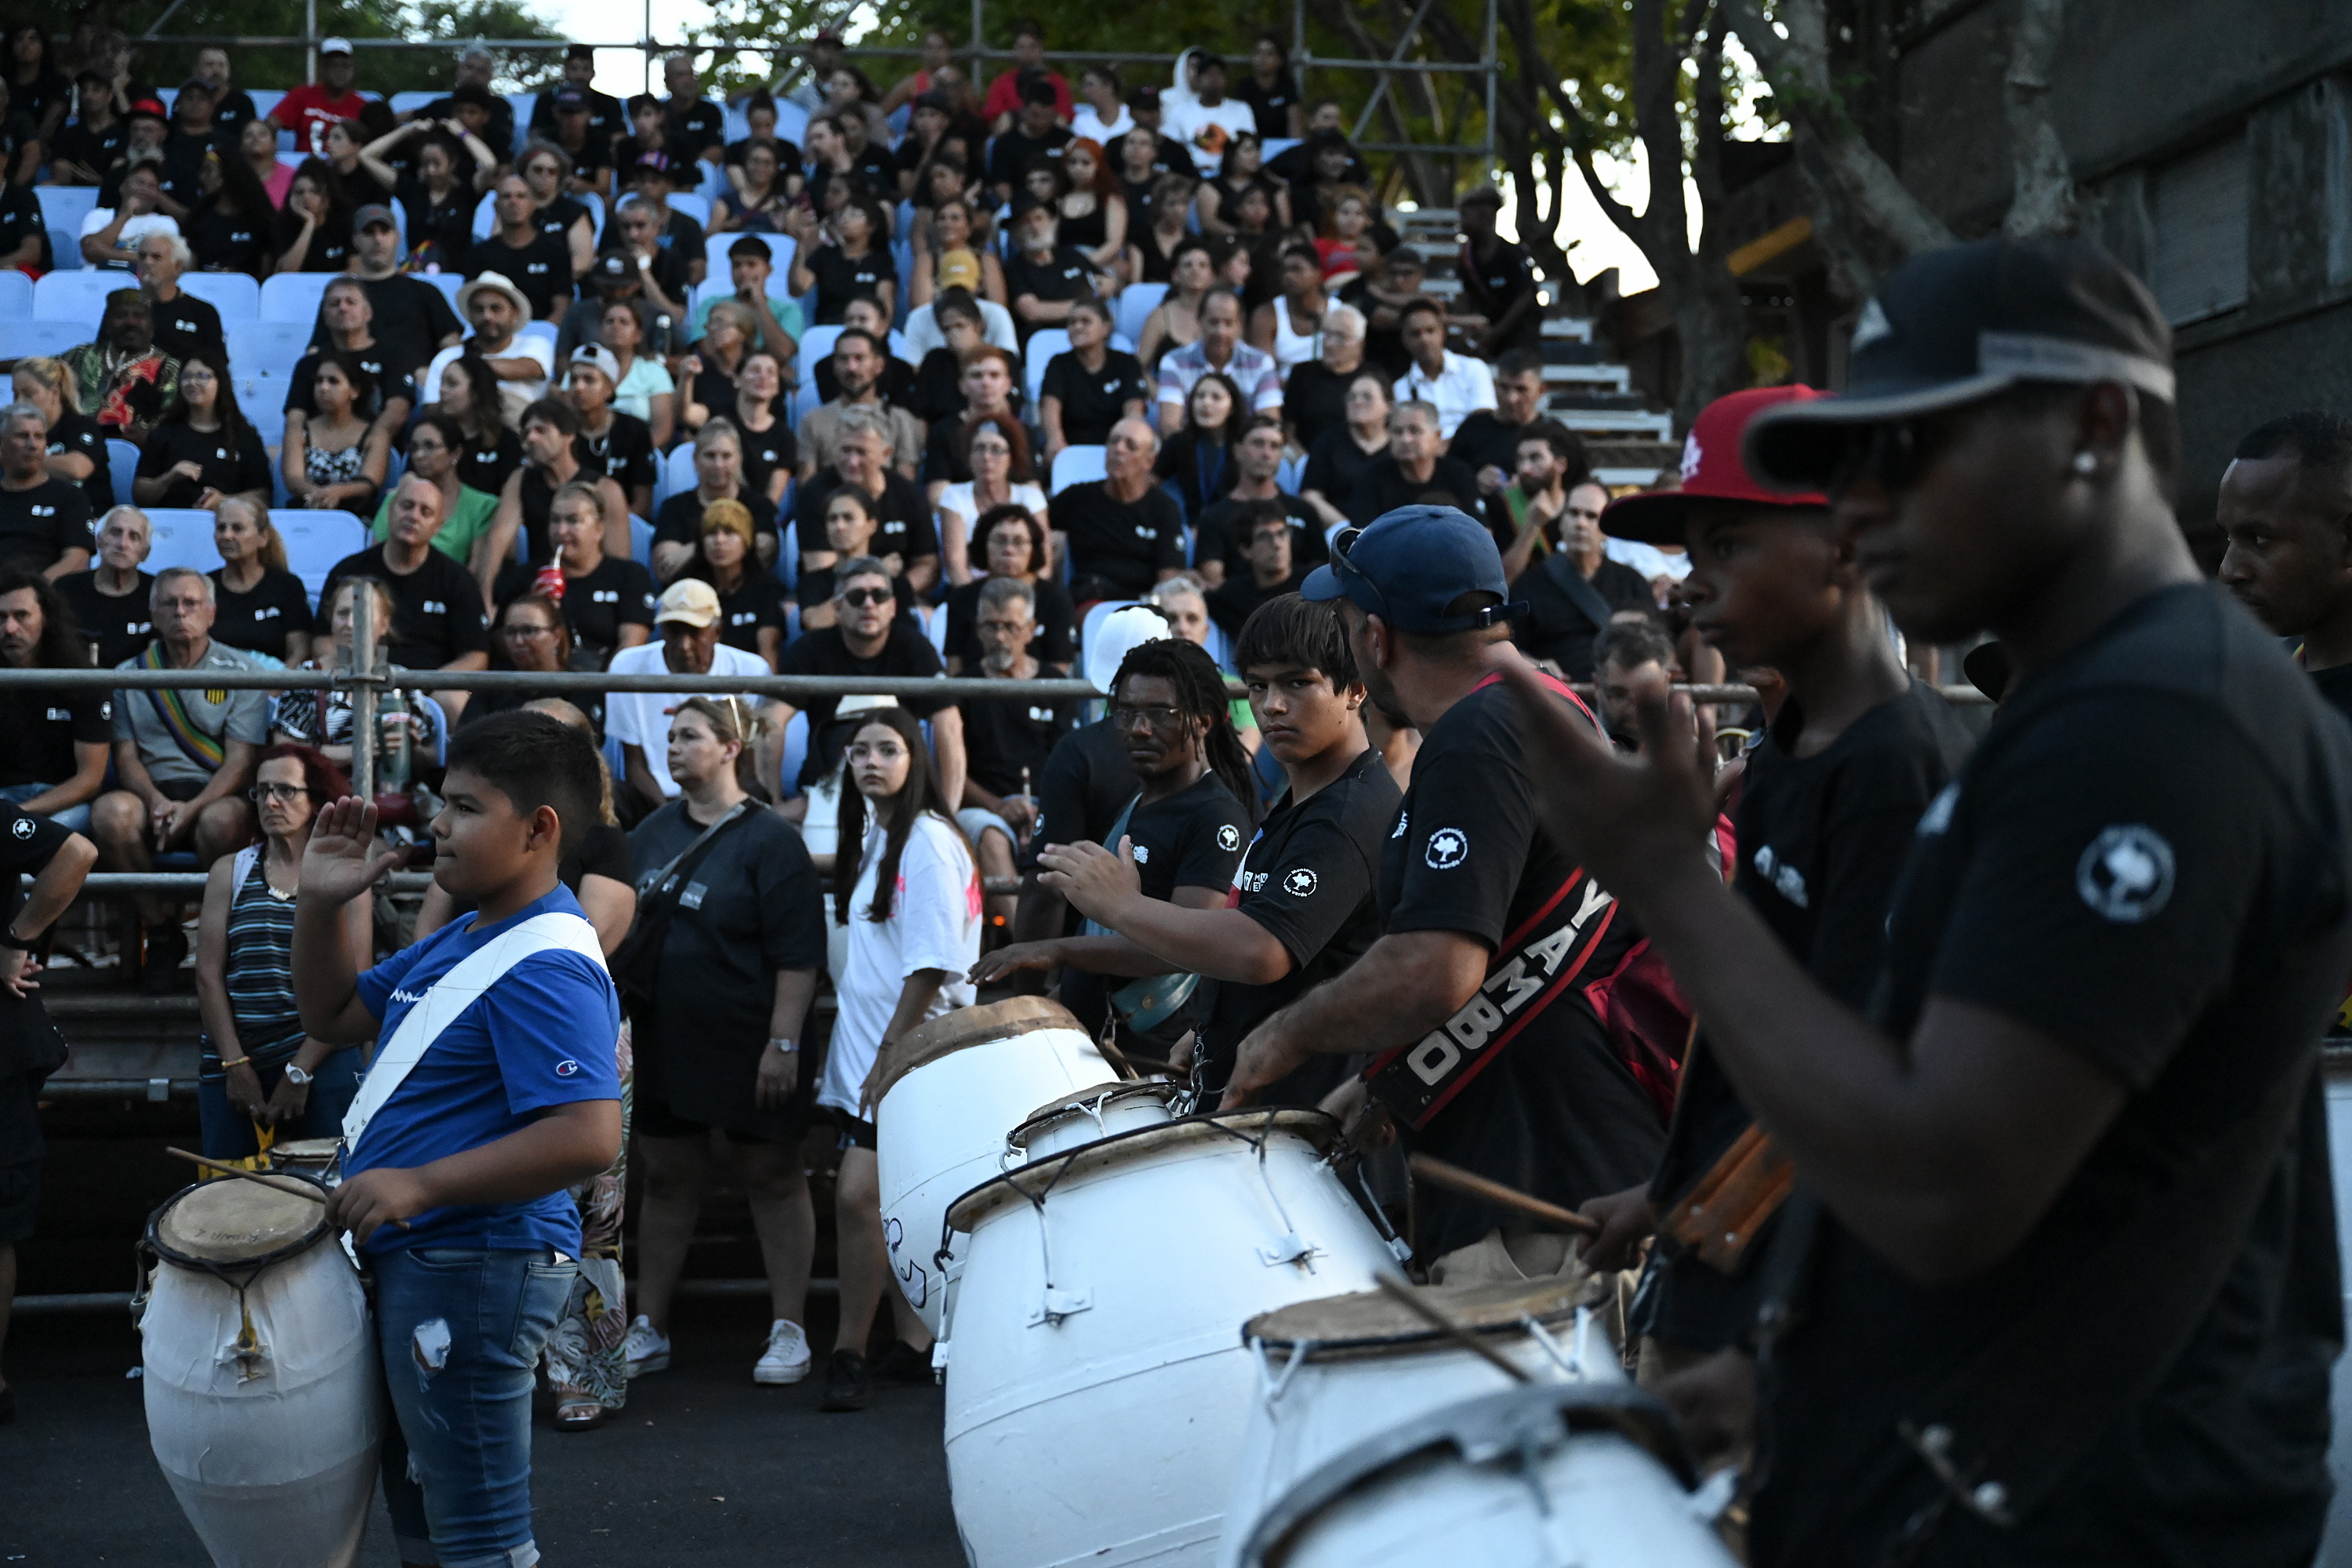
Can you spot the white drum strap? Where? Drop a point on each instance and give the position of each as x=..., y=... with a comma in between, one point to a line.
x=450, y=996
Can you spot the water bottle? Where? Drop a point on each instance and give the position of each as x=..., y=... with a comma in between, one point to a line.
x=394, y=760
x=662, y=336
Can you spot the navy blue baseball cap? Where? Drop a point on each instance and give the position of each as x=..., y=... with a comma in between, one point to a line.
x=1411, y=564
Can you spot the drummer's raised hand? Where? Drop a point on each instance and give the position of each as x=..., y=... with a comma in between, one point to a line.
x=1017, y=955
x=336, y=865
x=1096, y=881
x=372, y=1199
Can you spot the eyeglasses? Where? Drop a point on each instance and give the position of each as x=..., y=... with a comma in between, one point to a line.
x=862, y=598
x=1158, y=717
x=523, y=632
x=268, y=791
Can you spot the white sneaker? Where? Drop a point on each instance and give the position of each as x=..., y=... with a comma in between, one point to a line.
x=645, y=1349
x=787, y=1357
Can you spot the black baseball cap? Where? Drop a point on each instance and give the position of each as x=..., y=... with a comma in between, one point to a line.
x=1409, y=564
x=613, y=267
x=570, y=97
x=1960, y=324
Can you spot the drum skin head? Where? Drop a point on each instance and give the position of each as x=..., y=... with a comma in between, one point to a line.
x=304, y=1150
x=952, y=1032
x=1370, y=1322
x=1031, y=1184
x=1082, y=1101
x=231, y=1222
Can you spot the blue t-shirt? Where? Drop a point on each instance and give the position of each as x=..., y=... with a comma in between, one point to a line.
x=543, y=1036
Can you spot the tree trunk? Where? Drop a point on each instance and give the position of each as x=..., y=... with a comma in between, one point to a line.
x=2042, y=200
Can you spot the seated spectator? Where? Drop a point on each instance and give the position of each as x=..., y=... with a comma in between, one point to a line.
x=233, y=226
x=411, y=317
x=1044, y=276
x=539, y=264
x=938, y=54
x=1221, y=543
x=122, y=379
x=551, y=453
x=608, y=600
x=439, y=193
x=642, y=387
x=1148, y=107
x=1175, y=322
x=1163, y=201
x=256, y=149
x=1100, y=117
x=696, y=127
x=851, y=519
x=947, y=174
x=647, y=132
x=111, y=234
x=1006, y=738
x=1091, y=207
x=846, y=256
x=55, y=762
x=323, y=718
x=1185, y=605
x=547, y=169
x=233, y=108
x=1240, y=170
x=950, y=255
x=709, y=373
x=760, y=118
x=1268, y=570
x=1038, y=130
x=44, y=520
x=204, y=450
x=1454, y=385
x=687, y=623
x=347, y=326
x=469, y=400
x=146, y=123
x=1414, y=470
x=113, y=602
x=258, y=605
x=1251, y=371
x=650, y=182
x=775, y=316
x=858, y=360
x=607, y=118
x=1548, y=467
x=23, y=236
x=851, y=92
x=620, y=445
x=985, y=390
x=1091, y=385
x=866, y=636
x=309, y=108
x=314, y=226
x=1391, y=280
x=1342, y=456
x=1013, y=90
x=183, y=324
x=1122, y=533
x=1314, y=390
x=1487, y=440
x=353, y=179
x=758, y=195
x=945, y=330
x=77, y=448
x=1576, y=591
x=434, y=449
x=751, y=602
x=1289, y=325
x=1209, y=123
x=191, y=138
x=1498, y=281
x=1344, y=241
x=183, y=759
x=771, y=453
x=717, y=476
x=993, y=449
x=1309, y=163
x=1011, y=543
x=534, y=637
x=88, y=146
x=591, y=160
x=1197, y=460
x=862, y=461
x=337, y=458
x=522, y=364
x=436, y=608
x=1271, y=92
x=897, y=384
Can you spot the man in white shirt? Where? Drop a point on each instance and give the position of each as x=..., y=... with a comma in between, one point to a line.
x=1209, y=123
x=687, y=619
x=1456, y=385
x=111, y=236
x=496, y=311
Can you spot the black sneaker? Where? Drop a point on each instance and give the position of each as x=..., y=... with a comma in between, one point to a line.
x=847, y=1385
x=905, y=1365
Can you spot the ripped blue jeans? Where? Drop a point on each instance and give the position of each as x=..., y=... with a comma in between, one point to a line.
x=460, y=1331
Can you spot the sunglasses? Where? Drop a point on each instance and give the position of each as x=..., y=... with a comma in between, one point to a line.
x=863, y=598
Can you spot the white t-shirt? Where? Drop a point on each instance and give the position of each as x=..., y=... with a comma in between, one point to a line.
x=642, y=717
x=133, y=229
x=957, y=499
x=934, y=925
x=1207, y=128
x=1649, y=560
x=1087, y=124
x=1462, y=388
x=514, y=396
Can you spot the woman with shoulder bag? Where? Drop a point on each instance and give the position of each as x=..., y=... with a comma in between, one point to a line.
x=717, y=975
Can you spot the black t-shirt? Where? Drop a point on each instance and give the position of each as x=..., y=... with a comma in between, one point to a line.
x=259, y=620
x=753, y=603
x=1383, y=346
x=788, y=155
x=556, y=219
x=485, y=469
x=1822, y=840
x=623, y=453
x=1556, y=1112
x=1272, y=105
x=841, y=279
x=767, y=451
x=541, y=269
x=904, y=529
x=1315, y=400
x=897, y=384
x=301, y=386
x=29, y=1041
x=228, y=242
x=411, y=319
x=905, y=651
x=1126, y=544
x=43, y=727
x=1483, y=440
x=1064, y=275
x=436, y=610
x=448, y=225
x=1554, y=628
x=115, y=627
x=1087, y=781
x=482, y=704
x=679, y=521
x=1004, y=735
x=694, y=129
x=1222, y=536
x=607, y=118
x=1231, y=601
x=2336, y=686
x=331, y=241
x=2147, y=858
x=1335, y=464
x=96, y=150
x=1092, y=402
x=1053, y=642
x=233, y=461
x=597, y=604
x=1010, y=154
x=1492, y=285
x=184, y=161
x=20, y=220
x=1308, y=877
x=39, y=524
x=1383, y=487
x=79, y=433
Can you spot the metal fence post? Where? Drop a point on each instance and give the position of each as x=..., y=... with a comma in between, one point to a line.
x=365, y=678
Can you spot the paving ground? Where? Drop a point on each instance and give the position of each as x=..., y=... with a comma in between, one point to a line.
x=703, y=1468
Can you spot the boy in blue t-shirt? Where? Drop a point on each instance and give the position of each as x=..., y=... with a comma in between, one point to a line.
x=455, y=1186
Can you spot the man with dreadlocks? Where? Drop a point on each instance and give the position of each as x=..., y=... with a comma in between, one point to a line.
x=1186, y=829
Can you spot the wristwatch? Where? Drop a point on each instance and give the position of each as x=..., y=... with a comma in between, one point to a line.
x=8, y=938
x=786, y=1046
x=297, y=1077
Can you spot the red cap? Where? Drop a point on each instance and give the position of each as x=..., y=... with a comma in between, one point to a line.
x=1712, y=470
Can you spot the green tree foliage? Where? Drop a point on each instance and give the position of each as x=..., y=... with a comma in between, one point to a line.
x=435, y=26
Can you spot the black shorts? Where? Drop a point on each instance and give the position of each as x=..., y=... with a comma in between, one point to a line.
x=855, y=1133
x=21, y=1152
x=652, y=1119
x=181, y=789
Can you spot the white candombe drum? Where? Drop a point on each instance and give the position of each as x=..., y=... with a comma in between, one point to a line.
x=260, y=1376
x=1097, y=1391
x=1333, y=1371
x=1091, y=1115
x=311, y=1157
x=2336, y=1545
x=1538, y=1475
x=946, y=1093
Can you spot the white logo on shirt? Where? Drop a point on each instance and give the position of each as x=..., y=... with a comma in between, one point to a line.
x=1229, y=837
x=435, y=607
x=567, y=1068
x=1299, y=883
x=1142, y=851
x=1938, y=818
x=267, y=613
x=2126, y=873
x=604, y=596
x=1782, y=876
x=412, y=998
x=1448, y=847
x=1404, y=819
x=22, y=828
x=58, y=715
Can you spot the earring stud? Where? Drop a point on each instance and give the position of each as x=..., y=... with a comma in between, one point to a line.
x=2086, y=464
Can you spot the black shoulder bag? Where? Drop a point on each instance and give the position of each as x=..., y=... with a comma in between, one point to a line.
x=636, y=965
x=1579, y=590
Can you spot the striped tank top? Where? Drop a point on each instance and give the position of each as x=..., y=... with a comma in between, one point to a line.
x=260, y=969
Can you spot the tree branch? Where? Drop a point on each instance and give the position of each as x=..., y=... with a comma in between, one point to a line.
x=2043, y=199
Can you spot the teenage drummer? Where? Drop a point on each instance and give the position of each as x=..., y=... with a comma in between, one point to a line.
x=1827, y=804
x=30, y=1047
x=2070, y=1290
x=456, y=1176
x=1303, y=909
x=1478, y=993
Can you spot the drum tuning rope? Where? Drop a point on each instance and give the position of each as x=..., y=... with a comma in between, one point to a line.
x=1570, y=1366
x=1291, y=1247
x=1272, y=1384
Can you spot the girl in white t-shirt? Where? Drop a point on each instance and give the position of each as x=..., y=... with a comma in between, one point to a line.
x=905, y=885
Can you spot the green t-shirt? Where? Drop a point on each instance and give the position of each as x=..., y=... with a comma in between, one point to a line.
x=459, y=531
